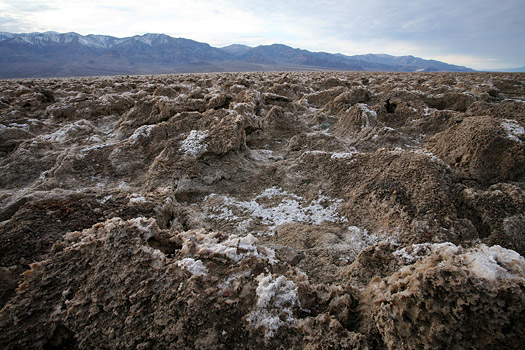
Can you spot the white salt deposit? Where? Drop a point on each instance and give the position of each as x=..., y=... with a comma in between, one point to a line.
x=144, y=225
x=413, y=253
x=316, y=152
x=235, y=247
x=334, y=155
x=105, y=199
x=514, y=130
x=193, y=144
x=344, y=155
x=416, y=252
x=123, y=185
x=262, y=155
x=276, y=298
x=353, y=241
x=233, y=280
x=97, y=146
x=195, y=267
x=67, y=132
x=137, y=198
x=158, y=257
x=364, y=107
x=17, y=125
x=275, y=192
x=491, y=263
x=487, y=263
x=141, y=132
x=429, y=154
x=399, y=151
x=290, y=208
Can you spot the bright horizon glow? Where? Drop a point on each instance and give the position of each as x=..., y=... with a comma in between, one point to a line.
x=479, y=34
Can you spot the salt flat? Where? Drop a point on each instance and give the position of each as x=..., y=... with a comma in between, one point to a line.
x=263, y=210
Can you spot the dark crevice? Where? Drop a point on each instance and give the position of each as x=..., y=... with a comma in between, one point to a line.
x=224, y=105
x=184, y=222
x=5, y=150
x=48, y=94
x=165, y=245
x=187, y=196
x=475, y=217
x=170, y=221
x=482, y=228
x=62, y=339
x=11, y=209
x=390, y=106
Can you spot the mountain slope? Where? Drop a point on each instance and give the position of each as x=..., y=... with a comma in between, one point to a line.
x=282, y=54
x=236, y=49
x=416, y=63
x=70, y=54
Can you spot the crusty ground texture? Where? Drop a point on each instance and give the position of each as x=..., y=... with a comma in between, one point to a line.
x=322, y=210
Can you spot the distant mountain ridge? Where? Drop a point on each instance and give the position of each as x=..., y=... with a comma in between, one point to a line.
x=52, y=54
x=509, y=70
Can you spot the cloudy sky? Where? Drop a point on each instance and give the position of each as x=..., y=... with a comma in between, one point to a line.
x=475, y=33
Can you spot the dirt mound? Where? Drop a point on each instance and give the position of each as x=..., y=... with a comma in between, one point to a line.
x=261, y=210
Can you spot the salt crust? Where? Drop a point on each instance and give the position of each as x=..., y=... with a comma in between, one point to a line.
x=144, y=225
x=195, y=267
x=514, y=130
x=291, y=208
x=423, y=152
x=193, y=144
x=235, y=247
x=483, y=262
x=276, y=298
x=354, y=240
x=137, y=198
x=491, y=263
x=364, y=107
x=69, y=131
x=158, y=257
x=141, y=132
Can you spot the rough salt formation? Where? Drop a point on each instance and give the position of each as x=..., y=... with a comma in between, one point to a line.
x=130, y=285
x=263, y=210
x=450, y=298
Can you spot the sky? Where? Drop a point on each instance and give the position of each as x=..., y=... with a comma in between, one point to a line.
x=480, y=34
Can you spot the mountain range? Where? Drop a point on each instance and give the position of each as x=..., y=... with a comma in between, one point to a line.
x=52, y=54
x=509, y=70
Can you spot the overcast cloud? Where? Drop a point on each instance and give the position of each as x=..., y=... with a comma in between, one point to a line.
x=479, y=34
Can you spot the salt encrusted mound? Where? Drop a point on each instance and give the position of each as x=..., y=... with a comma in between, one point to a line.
x=449, y=297
x=130, y=285
x=395, y=181
x=486, y=149
x=358, y=120
x=498, y=214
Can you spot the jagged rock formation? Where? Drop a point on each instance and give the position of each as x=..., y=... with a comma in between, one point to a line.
x=263, y=210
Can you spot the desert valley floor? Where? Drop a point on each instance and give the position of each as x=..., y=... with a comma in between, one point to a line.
x=305, y=210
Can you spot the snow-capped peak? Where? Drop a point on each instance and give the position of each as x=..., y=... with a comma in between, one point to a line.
x=50, y=37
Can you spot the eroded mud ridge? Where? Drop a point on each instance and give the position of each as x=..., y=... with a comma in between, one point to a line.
x=263, y=211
